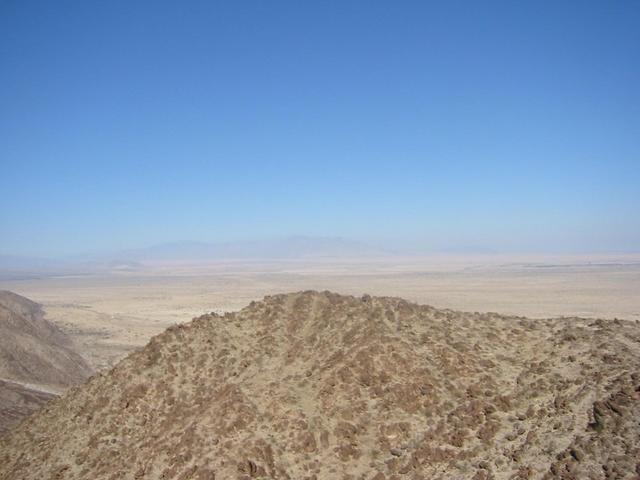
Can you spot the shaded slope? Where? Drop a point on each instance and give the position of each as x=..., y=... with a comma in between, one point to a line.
x=35, y=358
x=18, y=401
x=34, y=350
x=317, y=385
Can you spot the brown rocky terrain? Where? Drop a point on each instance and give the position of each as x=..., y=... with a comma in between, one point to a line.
x=322, y=386
x=18, y=401
x=36, y=359
x=33, y=349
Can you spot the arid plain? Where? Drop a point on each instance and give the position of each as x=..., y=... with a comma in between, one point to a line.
x=110, y=313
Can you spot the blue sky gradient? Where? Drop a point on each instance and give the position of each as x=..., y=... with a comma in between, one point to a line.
x=511, y=126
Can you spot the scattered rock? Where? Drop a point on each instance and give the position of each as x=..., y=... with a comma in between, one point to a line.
x=319, y=386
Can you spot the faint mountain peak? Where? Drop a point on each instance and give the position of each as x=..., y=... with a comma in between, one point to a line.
x=293, y=247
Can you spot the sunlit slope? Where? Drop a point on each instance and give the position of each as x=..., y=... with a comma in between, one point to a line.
x=318, y=385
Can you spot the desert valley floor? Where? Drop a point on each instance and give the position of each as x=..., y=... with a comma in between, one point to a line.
x=110, y=313
x=439, y=368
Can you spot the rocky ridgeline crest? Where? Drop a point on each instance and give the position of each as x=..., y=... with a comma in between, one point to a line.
x=322, y=386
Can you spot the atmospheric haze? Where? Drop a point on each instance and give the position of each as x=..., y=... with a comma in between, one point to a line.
x=320, y=240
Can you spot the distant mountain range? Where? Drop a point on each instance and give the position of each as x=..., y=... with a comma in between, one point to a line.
x=295, y=247
x=194, y=252
x=284, y=248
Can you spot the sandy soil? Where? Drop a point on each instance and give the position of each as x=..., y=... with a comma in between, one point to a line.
x=109, y=315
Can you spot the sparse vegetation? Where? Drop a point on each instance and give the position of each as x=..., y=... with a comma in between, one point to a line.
x=318, y=385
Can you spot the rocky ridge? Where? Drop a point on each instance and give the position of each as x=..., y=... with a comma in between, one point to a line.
x=322, y=386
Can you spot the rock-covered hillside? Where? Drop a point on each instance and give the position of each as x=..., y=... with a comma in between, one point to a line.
x=33, y=349
x=322, y=386
x=17, y=401
x=36, y=359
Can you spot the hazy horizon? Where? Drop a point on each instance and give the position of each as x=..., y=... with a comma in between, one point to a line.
x=298, y=247
x=506, y=127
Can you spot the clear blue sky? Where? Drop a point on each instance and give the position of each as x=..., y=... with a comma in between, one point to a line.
x=504, y=125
